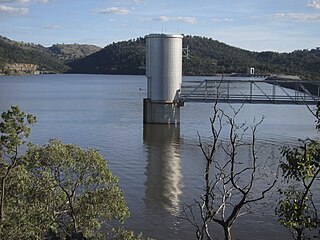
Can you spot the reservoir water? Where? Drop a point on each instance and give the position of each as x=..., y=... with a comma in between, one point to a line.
x=159, y=167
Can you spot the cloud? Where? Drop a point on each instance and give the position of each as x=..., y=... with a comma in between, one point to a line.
x=139, y=1
x=13, y=10
x=301, y=17
x=222, y=20
x=114, y=10
x=190, y=20
x=17, y=7
x=23, y=1
x=314, y=4
x=51, y=27
x=14, y=1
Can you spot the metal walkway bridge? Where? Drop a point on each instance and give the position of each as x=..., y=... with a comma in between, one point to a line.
x=258, y=90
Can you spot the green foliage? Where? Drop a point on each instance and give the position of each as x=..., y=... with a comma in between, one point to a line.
x=22, y=220
x=296, y=211
x=303, y=162
x=76, y=187
x=54, y=191
x=14, y=129
x=300, y=167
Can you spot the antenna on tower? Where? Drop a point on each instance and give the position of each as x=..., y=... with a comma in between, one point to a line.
x=186, y=52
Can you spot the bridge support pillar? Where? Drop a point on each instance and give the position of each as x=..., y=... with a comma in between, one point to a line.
x=161, y=112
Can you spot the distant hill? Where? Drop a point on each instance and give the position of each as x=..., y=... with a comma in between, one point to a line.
x=207, y=57
x=71, y=52
x=50, y=59
x=210, y=56
x=12, y=52
x=126, y=57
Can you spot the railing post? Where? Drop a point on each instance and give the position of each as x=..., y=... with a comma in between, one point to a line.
x=273, y=92
x=250, y=91
x=228, y=90
x=206, y=91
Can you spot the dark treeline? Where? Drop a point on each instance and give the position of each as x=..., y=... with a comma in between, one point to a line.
x=126, y=57
x=14, y=52
x=207, y=57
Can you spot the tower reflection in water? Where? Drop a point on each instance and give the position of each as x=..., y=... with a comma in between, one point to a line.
x=163, y=170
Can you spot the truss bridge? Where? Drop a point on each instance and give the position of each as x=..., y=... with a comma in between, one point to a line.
x=258, y=90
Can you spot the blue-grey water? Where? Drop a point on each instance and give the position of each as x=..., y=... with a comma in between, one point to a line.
x=159, y=167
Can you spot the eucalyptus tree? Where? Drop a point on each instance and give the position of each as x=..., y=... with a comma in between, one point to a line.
x=14, y=130
x=57, y=190
x=76, y=188
x=297, y=209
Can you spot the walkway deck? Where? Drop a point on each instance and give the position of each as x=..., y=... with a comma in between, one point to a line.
x=257, y=90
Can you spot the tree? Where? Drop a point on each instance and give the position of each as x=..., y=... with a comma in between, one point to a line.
x=73, y=189
x=14, y=130
x=230, y=181
x=55, y=191
x=300, y=168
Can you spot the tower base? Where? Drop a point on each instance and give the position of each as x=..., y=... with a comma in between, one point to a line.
x=160, y=112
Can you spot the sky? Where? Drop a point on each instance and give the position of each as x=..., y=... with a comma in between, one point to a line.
x=255, y=25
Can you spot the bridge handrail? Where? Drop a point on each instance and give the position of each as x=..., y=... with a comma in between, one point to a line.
x=205, y=90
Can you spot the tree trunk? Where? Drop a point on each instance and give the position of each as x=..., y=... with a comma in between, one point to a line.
x=299, y=234
x=2, y=199
x=227, y=232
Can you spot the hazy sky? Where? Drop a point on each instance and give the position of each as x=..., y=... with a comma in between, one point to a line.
x=277, y=25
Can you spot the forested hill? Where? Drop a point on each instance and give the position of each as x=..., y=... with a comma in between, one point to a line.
x=72, y=52
x=207, y=57
x=12, y=52
x=51, y=59
x=126, y=57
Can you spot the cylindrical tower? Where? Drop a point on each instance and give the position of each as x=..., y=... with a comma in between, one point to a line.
x=164, y=66
x=164, y=74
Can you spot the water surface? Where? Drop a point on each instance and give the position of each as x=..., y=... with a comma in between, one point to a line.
x=159, y=167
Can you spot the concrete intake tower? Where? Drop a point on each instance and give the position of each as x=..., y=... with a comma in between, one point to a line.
x=164, y=76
